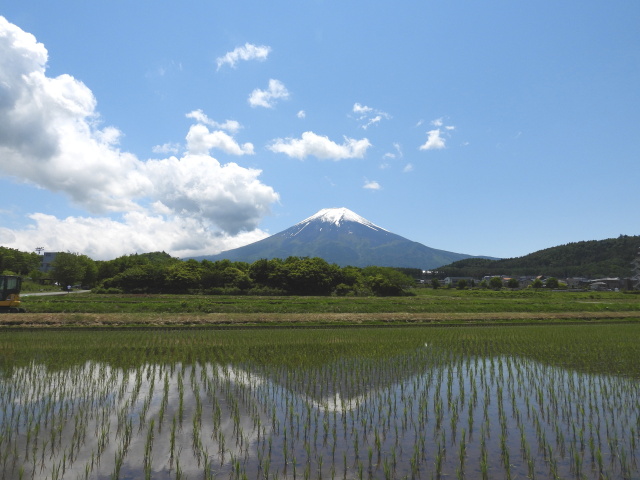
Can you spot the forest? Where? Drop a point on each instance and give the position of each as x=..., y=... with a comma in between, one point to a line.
x=591, y=259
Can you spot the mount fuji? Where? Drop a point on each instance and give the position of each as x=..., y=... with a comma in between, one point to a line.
x=343, y=237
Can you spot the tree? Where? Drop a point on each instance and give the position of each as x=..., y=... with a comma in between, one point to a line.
x=310, y=276
x=513, y=283
x=90, y=278
x=462, y=284
x=16, y=262
x=138, y=279
x=70, y=268
x=435, y=283
x=182, y=277
x=382, y=287
x=537, y=283
x=552, y=282
x=495, y=283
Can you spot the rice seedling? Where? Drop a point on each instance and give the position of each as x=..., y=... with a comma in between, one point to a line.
x=506, y=402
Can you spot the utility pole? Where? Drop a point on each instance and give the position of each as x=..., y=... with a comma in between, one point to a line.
x=635, y=269
x=40, y=250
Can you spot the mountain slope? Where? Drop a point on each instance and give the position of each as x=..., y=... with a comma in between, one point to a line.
x=594, y=258
x=340, y=236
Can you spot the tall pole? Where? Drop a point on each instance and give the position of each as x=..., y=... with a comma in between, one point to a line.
x=635, y=268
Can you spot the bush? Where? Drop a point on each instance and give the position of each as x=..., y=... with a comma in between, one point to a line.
x=266, y=292
x=552, y=282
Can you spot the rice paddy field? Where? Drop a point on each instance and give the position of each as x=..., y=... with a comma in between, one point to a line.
x=465, y=402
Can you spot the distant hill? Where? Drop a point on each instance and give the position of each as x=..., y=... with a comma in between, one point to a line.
x=340, y=236
x=594, y=259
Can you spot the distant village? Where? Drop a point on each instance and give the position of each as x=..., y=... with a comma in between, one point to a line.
x=541, y=281
x=530, y=281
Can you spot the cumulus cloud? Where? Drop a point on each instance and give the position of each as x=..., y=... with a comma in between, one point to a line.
x=51, y=137
x=200, y=140
x=198, y=186
x=199, y=116
x=301, y=114
x=245, y=52
x=104, y=238
x=320, y=147
x=267, y=98
x=407, y=168
x=368, y=116
x=371, y=185
x=436, y=138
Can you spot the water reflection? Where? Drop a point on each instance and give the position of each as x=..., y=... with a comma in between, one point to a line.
x=422, y=414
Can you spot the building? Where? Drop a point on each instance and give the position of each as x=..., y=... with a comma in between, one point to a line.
x=454, y=280
x=46, y=262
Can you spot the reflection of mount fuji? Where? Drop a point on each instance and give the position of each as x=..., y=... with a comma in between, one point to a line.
x=340, y=236
x=343, y=385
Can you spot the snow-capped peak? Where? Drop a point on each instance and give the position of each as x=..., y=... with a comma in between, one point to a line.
x=336, y=216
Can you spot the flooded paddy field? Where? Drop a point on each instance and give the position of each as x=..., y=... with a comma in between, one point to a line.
x=460, y=402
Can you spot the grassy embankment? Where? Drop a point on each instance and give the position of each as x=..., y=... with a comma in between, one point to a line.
x=444, y=306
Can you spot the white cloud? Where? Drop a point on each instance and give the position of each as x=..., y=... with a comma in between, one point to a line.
x=104, y=238
x=225, y=195
x=167, y=148
x=368, y=116
x=407, y=168
x=200, y=141
x=267, y=98
x=320, y=147
x=301, y=114
x=246, y=52
x=435, y=138
x=199, y=116
x=371, y=185
x=361, y=109
x=434, y=141
x=50, y=137
x=397, y=154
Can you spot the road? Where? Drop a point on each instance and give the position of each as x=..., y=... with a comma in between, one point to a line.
x=61, y=292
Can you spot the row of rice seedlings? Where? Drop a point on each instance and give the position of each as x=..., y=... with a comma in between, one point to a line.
x=433, y=411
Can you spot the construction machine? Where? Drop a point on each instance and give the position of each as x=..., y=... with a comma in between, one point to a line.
x=10, y=286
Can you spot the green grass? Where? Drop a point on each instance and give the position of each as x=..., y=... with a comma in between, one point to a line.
x=611, y=349
x=426, y=301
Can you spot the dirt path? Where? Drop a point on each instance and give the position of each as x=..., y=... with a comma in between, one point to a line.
x=53, y=320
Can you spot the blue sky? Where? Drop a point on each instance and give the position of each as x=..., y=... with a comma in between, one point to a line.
x=489, y=128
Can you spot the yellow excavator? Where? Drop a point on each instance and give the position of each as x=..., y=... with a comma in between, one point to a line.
x=10, y=286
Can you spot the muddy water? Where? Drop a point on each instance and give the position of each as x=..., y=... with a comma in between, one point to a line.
x=423, y=414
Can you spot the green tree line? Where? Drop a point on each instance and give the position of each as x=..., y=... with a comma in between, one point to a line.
x=158, y=272
x=15, y=262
